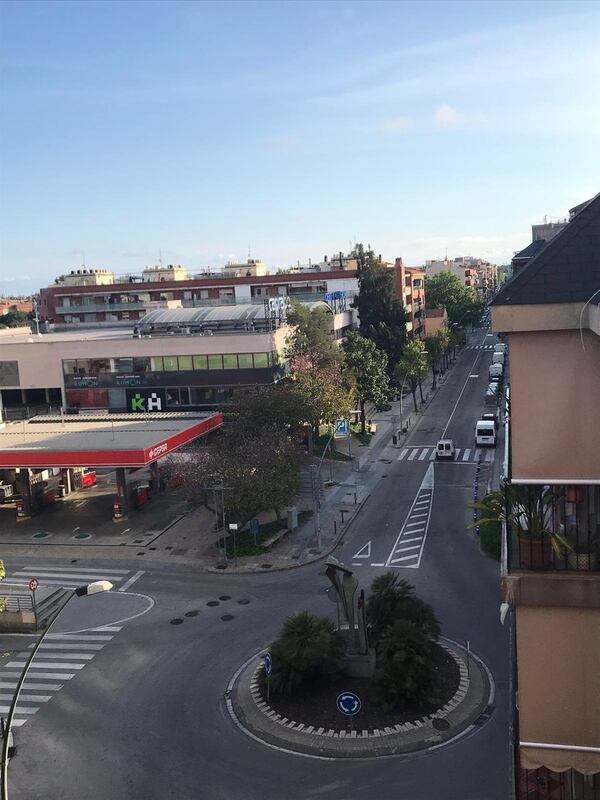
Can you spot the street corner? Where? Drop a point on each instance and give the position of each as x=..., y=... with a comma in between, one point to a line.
x=465, y=712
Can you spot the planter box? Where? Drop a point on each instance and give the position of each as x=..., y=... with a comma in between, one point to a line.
x=535, y=554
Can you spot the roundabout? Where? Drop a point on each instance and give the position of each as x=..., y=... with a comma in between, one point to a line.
x=468, y=708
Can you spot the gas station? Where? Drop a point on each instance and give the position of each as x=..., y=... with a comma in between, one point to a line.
x=76, y=444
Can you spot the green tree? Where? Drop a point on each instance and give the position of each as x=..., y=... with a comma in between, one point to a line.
x=308, y=650
x=443, y=336
x=405, y=671
x=435, y=353
x=413, y=367
x=311, y=345
x=381, y=313
x=325, y=393
x=15, y=319
x=280, y=405
x=392, y=598
x=445, y=290
x=367, y=365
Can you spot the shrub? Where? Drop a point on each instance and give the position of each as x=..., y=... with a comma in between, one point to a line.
x=405, y=672
x=490, y=537
x=309, y=649
x=392, y=598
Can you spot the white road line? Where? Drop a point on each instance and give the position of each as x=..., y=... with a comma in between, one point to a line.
x=421, y=503
x=108, y=628
x=414, y=539
x=402, y=454
x=466, y=454
x=16, y=723
x=60, y=570
x=66, y=646
x=49, y=687
x=131, y=581
x=61, y=676
x=71, y=655
x=378, y=565
x=432, y=456
x=456, y=453
x=403, y=558
x=64, y=583
x=406, y=549
x=27, y=698
x=364, y=552
x=477, y=453
x=419, y=515
x=460, y=395
x=412, y=525
x=6, y=709
x=424, y=492
x=423, y=453
x=358, y=563
x=489, y=456
x=413, y=454
x=46, y=665
x=73, y=637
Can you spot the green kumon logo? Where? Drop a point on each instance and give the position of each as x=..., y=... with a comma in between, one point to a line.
x=137, y=402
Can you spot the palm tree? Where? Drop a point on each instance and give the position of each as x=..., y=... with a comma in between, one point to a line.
x=393, y=598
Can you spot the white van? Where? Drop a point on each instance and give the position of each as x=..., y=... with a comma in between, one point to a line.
x=445, y=449
x=499, y=348
x=485, y=433
x=498, y=358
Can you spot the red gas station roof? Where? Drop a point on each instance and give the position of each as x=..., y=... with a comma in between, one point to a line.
x=126, y=440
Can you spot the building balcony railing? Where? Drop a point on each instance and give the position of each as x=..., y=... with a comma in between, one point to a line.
x=100, y=308
x=553, y=528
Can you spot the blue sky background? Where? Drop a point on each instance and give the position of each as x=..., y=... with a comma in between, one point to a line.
x=295, y=128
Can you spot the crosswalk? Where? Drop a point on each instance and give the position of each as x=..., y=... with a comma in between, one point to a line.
x=71, y=577
x=462, y=455
x=60, y=658
x=479, y=347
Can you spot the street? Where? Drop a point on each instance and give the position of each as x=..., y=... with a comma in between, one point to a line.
x=143, y=715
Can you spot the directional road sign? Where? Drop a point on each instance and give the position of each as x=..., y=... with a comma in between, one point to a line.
x=33, y=584
x=268, y=664
x=348, y=703
x=342, y=429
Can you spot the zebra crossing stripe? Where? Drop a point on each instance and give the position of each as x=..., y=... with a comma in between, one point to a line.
x=27, y=698
x=402, y=454
x=466, y=454
x=423, y=453
x=66, y=646
x=413, y=454
x=432, y=456
x=6, y=709
x=45, y=665
x=76, y=637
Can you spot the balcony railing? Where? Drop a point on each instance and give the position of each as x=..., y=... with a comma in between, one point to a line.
x=553, y=528
x=100, y=308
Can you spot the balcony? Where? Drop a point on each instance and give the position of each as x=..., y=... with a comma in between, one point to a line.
x=100, y=308
x=553, y=528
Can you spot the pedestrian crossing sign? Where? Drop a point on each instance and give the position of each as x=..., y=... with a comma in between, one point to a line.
x=342, y=429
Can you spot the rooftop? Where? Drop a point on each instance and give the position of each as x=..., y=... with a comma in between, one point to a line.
x=566, y=270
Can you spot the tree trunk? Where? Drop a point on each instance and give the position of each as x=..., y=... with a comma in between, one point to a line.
x=413, y=389
x=363, y=425
x=421, y=391
x=433, y=385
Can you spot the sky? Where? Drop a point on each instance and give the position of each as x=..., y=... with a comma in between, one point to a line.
x=289, y=130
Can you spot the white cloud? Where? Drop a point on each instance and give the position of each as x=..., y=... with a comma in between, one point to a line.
x=448, y=117
x=396, y=125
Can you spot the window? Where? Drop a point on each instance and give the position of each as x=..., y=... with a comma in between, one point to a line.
x=185, y=363
x=69, y=367
x=245, y=360
x=99, y=365
x=170, y=363
x=215, y=362
x=123, y=364
x=157, y=363
x=230, y=361
x=261, y=360
x=200, y=362
x=177, y=396
x=141, y=364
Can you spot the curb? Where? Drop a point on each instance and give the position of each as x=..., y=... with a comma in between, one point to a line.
x=416, y=736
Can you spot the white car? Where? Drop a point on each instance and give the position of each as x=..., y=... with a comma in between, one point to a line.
x=445, y=449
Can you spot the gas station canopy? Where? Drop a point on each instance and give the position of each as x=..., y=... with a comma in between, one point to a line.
x=107, y=440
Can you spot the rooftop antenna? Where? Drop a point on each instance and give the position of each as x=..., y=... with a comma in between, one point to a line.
x=83, y=254
x=160, y=258
x=249, y=252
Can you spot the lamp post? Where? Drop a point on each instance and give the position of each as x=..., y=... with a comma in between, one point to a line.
x=81, y=591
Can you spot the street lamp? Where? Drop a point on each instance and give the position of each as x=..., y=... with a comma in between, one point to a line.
x=81, y=591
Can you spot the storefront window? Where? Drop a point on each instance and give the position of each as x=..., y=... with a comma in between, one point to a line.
x=98, y=365
x=245, y=360
x=200, y=362
x=185, y=363
x=141, y=364
x=261, y=360
x=157, y=363
x=230, y=361
x=123, y=364
x=170, y=363
x=215, y=362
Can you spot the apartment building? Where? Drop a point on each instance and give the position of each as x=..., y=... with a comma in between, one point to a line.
x=410, y=286
x=550, y=313
x=475, y=273
x=95, y=298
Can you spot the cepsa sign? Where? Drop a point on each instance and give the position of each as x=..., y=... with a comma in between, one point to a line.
x=157, y=451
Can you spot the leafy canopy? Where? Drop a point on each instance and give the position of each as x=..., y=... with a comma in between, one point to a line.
x=445, y=290
x=366, y=364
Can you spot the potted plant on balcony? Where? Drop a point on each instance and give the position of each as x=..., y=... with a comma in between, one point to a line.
x=528, y=511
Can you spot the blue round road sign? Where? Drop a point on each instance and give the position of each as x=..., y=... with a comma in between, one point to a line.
x=268, y=663
x=348, y=703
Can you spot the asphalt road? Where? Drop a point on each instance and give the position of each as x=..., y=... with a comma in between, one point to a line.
x=145, y=718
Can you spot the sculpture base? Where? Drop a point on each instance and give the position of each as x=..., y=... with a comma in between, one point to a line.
x=360, y=665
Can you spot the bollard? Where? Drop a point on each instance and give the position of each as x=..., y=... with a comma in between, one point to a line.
x=335, y=528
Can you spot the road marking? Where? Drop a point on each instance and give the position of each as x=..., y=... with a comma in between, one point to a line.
x=432, y=456
x=421, y=513
x=78, y=528
x=414, y=539
x=422, y=503
x=126, y=530
x=16, y=723
x=6, y=709
x=75, y=576
x=443, y=436
x=27, y=698
x=424, y=494
x=478, y=453
x=466, y=454
x=473, y=376
x=413, y=454
x=361, y=553
x=456, y=452
x=377, y=565
x=489, y=456
x=413, y=524
x=131, y=581
x=49, y=687
x=61, y=676
x=50, y=568
x=46, y=665
x=358, y=563
x=402, y=454
x=108, y=627
x=404, y=558
x=423, y=453
x=71, y=655
x=406, y=549
x=75, y=638
x=66, y=646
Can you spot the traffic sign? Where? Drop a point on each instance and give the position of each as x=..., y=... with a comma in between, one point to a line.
x=348, y=703
x=268, y=664
x=33, y=584
x=342, y=429
x=254, y=526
